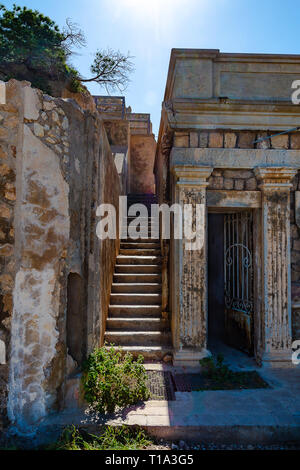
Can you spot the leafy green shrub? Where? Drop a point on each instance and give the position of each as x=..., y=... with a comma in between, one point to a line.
x=112, y=380
x=112, y=438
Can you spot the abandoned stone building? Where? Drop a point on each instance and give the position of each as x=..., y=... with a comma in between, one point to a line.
x=228, y=142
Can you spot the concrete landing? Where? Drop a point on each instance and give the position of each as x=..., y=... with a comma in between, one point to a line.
x=247, y=416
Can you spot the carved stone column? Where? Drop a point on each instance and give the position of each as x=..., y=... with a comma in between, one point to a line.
x=190, y=276
x=275, y=322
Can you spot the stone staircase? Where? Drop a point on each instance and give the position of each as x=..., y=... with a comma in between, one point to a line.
x=134, y=322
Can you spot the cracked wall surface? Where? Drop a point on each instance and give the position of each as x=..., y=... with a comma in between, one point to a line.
x=57, y=168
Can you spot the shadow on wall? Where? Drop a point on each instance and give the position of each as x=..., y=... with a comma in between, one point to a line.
x=75, y=320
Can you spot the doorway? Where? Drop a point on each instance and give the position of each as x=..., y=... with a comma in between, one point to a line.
x=230, y=280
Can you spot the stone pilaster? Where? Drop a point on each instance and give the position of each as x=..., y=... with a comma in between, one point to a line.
x=275, y=324
x=190, y=277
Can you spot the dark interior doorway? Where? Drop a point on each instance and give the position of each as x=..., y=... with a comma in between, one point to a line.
x=230, y=280
x=216, y=304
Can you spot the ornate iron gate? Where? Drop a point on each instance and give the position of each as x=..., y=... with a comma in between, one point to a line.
x=238, y=275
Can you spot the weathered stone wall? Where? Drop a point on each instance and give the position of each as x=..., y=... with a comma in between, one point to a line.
x=64, y=169
x=236, y=139
x=9, y=120
x=142, y=155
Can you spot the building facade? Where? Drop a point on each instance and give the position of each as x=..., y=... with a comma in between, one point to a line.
x=219, y=147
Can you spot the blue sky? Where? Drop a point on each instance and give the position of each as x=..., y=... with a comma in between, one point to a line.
x=149, y=29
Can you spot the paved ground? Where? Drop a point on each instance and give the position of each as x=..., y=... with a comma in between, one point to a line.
x=233, y=416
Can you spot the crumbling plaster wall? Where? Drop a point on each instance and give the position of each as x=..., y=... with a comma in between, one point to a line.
x=63, y=166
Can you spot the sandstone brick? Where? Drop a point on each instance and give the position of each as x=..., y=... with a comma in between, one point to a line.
x=3, y=133
x=6, y=282
x=7, y=303
x=4, y=169
x=251, y=184
x=10, y=192
x=217, y=182
x=228, y=183
x=203, y=139
x=242, y=174
x=193, y=139
x=229, y=139
x=280, y=142
x=246, y=140
x=217, y=173
x=216, y=139
x=264, y=144
x=5, y=211
x=239, y=184
x=295, y=141
x=181, y=140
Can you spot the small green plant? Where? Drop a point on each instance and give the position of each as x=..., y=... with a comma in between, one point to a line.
x=220, y=374
x=112, y=438
x=215, y=369
x=112, y=380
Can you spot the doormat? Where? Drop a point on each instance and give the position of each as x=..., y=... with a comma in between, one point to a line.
x=244, y=380
x=160, y=384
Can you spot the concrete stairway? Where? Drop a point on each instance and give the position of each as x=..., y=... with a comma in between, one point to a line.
x=134, y=320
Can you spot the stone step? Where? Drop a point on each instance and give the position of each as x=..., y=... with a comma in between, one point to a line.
x=134, y=311
x=136, y=324
x=150, y=353
x=140, y=240
x=126, y=259
x=128, y=287
x=140, y=251
x=136, y=278
x=138, y=338
x=138, y=268
x=136, y=299
x=139, y=244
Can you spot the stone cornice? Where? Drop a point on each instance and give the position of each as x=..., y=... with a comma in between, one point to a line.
x=191, y=176
x=275, y=177
x=217, y=113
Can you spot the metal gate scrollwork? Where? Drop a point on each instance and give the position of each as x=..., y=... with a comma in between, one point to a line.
x=238, y=262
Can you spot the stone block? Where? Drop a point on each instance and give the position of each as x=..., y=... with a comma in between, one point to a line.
x=228, y=183
x=4, y=211
x=243, y=174
x=251, y=184
x=181, y=140
x=217, y=182
x=32, y=104
x=193, y=139
x=4, y=169
x=239, y=184
x=295, y=141
x=203, y=139
x=229, y=139
x=38, y=130
x=216, y=139
x=246, y=140
x=280, y=141
x=264, y=144
x=296, y=245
